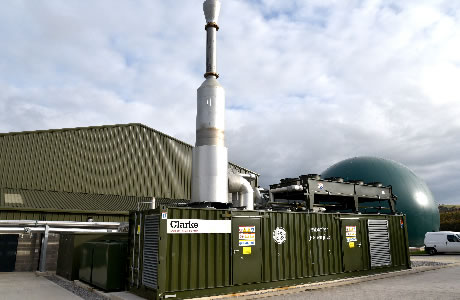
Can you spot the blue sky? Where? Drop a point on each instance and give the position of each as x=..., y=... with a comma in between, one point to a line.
x=308, y=83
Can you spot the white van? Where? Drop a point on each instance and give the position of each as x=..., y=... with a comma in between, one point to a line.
x=442, y=241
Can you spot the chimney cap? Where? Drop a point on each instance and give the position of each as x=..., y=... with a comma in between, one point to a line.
x=211, y=9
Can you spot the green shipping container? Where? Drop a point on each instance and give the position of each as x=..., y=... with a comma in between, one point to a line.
x=172, y=253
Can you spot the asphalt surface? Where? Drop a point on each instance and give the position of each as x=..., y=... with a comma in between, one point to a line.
x=434, y=284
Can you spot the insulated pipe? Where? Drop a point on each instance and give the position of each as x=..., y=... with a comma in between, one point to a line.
x=249, y=177
x=284, y=189
x=59, y=223
x=237, y=184
x=52, y=229
x=257, y=196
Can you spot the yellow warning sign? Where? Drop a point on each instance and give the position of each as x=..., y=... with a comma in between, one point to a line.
x=246, y=250
x=351, y=244
x=138, y=229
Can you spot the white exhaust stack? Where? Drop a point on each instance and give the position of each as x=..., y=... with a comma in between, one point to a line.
x=210, y=163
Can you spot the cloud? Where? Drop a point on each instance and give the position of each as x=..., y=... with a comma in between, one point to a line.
x=307, y=83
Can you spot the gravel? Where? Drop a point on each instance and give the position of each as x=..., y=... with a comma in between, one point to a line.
x=77, y=290
x=422, y=263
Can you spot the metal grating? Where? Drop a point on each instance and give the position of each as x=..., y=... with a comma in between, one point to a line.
x=151, y=243
x=379, y=243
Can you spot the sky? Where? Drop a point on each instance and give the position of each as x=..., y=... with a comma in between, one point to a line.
x=308, y=83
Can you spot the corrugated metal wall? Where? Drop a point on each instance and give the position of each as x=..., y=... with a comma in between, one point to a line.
x=198, y=260
x=127, y=160
x=301, y=256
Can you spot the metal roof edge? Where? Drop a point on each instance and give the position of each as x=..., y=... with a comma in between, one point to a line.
x=68, y=211
x=111, y=126
x=89, y=128
x=246, y=169
x=78, y=193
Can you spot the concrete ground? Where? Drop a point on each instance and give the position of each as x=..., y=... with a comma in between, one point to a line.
x=28, y=286
x=425, y=282
x=435, y=284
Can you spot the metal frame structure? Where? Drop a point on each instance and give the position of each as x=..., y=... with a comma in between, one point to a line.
x=333, y=194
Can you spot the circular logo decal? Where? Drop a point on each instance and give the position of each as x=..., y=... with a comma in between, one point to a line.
x=279, y=235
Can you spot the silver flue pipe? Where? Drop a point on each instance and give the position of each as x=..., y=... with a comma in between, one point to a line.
x=210, y=159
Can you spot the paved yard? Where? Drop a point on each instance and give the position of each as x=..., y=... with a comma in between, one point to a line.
x=28, y=286
x=436, y=284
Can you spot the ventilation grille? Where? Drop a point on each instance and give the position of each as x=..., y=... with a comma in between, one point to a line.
x=379, y=243
x=151, y=241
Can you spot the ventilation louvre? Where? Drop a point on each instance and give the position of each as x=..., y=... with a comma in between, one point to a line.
x=379, y=243
x=151, y=243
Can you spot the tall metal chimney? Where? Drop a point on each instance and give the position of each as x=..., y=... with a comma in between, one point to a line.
x=210, y=163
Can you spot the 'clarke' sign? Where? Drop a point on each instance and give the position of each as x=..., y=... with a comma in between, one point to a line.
x=199, y=226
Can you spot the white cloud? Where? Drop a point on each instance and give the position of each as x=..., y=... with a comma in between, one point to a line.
x=307, y=83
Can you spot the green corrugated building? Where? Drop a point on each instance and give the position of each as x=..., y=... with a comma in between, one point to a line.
x=101, y=171
x=75, y=174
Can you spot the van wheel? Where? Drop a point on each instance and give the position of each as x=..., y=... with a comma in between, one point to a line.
x=432, y=251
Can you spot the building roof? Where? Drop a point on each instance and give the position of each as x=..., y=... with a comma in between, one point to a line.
x=48, y=201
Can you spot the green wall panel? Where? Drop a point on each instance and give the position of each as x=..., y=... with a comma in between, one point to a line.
x=125, y=160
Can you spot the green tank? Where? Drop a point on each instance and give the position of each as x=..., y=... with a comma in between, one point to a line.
x=414, y=197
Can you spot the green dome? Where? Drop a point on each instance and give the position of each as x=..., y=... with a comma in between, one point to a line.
x=414, y=197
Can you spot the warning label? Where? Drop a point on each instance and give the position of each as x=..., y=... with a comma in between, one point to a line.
x=350, y=233
x=247, y=235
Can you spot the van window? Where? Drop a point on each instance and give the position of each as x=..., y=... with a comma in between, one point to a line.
x=450, y=238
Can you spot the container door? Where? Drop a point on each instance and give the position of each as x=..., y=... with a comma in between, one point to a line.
x=246, y=250
x=8, y=249
x=352, y=246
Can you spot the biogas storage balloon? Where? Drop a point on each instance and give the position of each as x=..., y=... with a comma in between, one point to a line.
x=414, y=197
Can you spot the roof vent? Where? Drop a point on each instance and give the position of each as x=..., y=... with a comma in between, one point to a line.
x=13, y=199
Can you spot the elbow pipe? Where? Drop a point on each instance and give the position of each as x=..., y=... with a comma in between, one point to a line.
x=247, y=198
x=237, y=184
x=257, y=196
